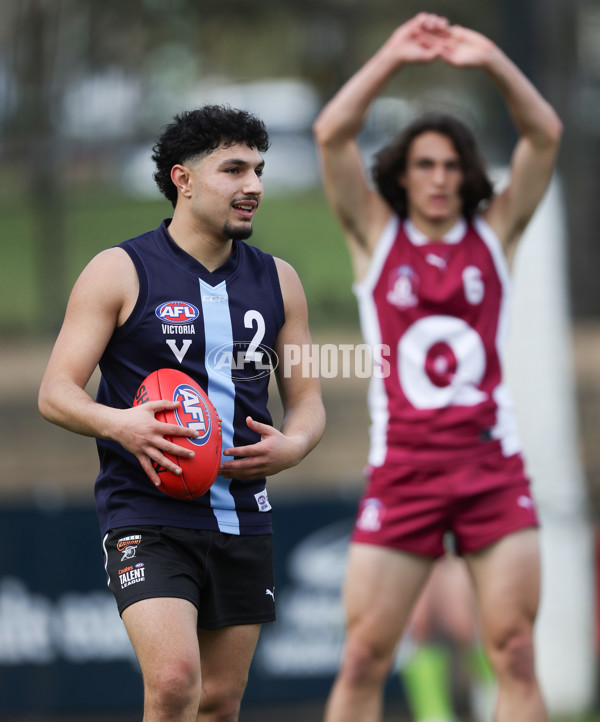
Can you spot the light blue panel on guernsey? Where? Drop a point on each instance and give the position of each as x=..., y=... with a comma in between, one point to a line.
x=221, y=391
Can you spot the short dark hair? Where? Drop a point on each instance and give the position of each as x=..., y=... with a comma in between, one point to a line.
x=390, y=163
x=196, y=133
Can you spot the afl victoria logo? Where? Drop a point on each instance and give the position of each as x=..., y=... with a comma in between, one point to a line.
x=177, y=312
x=193, y=413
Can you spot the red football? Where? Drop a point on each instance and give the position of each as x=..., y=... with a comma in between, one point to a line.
x=195, y=411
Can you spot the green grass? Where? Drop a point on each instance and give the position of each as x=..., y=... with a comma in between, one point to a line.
x=301, y=229
x=298, y=228
x=17, y=270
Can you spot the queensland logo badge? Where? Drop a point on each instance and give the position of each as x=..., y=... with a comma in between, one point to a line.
x=193, y=413
x=177, y=312
x=403, y=283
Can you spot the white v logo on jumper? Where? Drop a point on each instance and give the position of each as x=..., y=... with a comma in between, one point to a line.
x=179, y=353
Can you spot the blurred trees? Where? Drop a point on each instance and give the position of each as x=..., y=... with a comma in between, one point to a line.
x=48, y=46
x=31, y=140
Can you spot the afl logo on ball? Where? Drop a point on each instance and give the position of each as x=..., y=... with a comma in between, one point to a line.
x=193, y=413
x=177, y=312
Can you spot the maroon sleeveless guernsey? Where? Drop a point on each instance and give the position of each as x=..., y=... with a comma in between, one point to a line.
x=435, y=313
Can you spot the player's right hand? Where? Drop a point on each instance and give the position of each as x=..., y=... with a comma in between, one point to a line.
x=144, y=436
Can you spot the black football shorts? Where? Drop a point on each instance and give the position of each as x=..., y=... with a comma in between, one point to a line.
x=228, y=578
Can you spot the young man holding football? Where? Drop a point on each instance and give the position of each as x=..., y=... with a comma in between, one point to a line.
x=429, y=247
x=194, y=616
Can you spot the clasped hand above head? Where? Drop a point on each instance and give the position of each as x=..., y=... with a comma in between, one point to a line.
x=427, y=37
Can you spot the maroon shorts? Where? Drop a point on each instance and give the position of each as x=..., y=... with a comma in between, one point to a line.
x=480, y=501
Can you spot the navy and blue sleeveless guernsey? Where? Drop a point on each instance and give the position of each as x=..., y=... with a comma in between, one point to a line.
x=218, y=327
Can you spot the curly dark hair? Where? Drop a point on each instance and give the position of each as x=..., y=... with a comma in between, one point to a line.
x=196, y=133
x=390, y=162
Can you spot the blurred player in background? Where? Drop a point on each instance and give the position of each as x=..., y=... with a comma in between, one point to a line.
x=194, y=614
x=442, y=652
x=429, y=247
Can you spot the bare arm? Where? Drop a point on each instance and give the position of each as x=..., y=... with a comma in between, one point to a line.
x=304, y=415
x=101, y=299
x=361, y=212
x=537, y=123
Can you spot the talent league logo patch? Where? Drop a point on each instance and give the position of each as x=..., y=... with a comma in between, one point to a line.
x=177, y=312
x=193, y=413
x=132, y=575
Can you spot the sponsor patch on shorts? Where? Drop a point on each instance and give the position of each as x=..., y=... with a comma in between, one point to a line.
x=371, y=515
x=128, y=545
x=526, y=502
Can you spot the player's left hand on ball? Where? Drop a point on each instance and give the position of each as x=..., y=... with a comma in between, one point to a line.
x=273, y=453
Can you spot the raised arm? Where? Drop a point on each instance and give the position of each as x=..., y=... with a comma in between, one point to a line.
x=304, y=416
x=537, y=123
x=101, y=299
x=361, y=212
